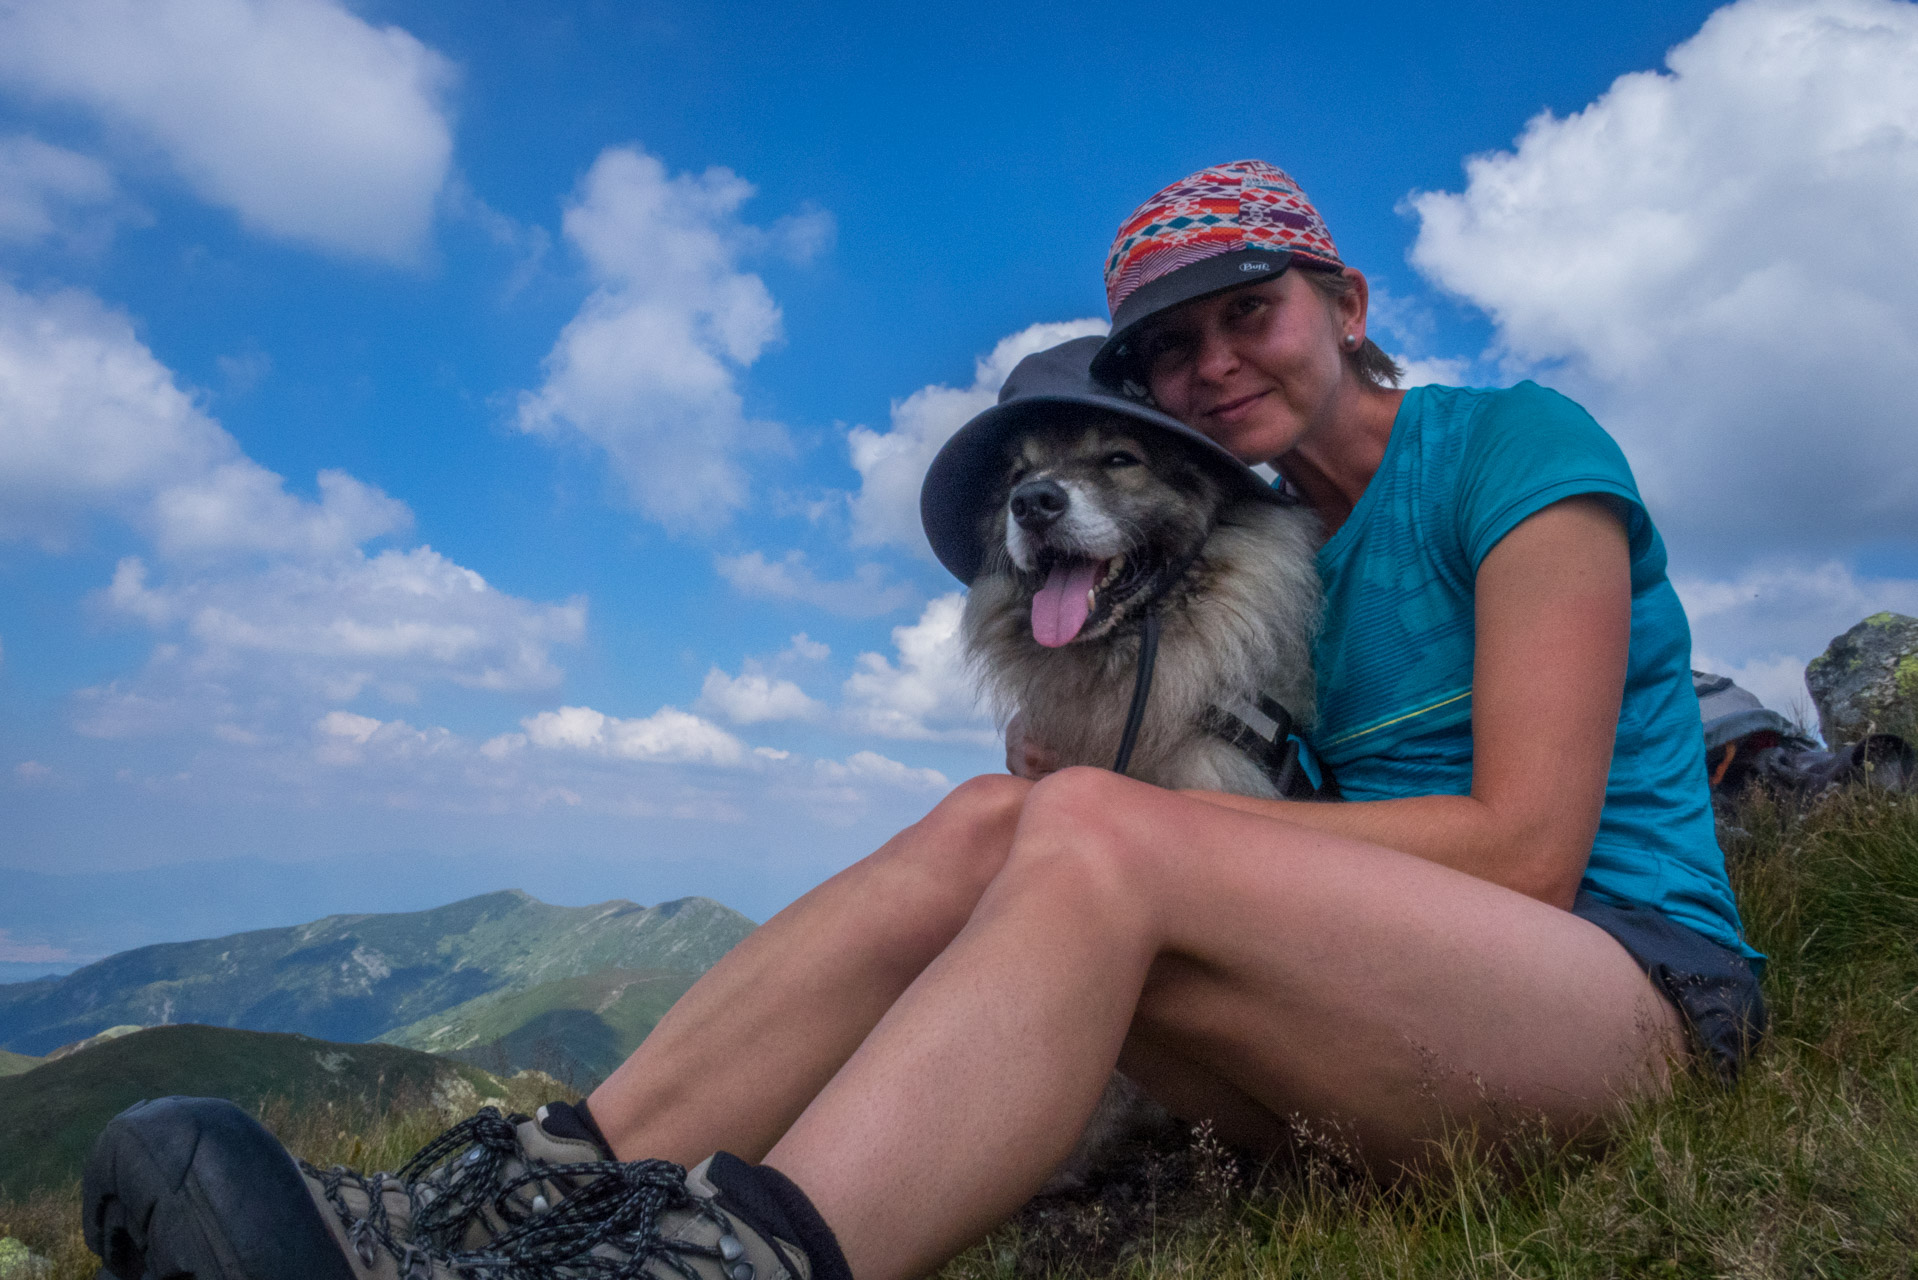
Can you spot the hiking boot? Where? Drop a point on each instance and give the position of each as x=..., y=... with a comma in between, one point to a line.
x=478, y=1181
x=188, y=1188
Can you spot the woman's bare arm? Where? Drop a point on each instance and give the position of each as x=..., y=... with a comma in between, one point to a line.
x=1553, y=614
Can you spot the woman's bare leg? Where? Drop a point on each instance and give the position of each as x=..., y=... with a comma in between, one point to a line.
x=742, y=1053
x=1297, y=970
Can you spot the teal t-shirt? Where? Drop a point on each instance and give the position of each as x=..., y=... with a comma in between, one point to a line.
x=1394, y=659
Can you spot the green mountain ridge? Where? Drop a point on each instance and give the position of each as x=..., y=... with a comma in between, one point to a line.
x=54, y=1111
x=575, y=1029
x=12, y=1064
x=359, y=977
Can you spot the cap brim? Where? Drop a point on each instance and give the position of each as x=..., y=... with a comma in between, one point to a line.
x=964, y=476
x=1217, y=274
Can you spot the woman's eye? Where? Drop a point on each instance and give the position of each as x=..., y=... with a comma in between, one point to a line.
x=1160, y=348
x=1120, y=458
x=1247, y=303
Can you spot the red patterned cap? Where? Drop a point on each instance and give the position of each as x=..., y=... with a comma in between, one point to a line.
x=1222, y=227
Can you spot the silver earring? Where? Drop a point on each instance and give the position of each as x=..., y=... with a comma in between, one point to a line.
x=1351, y=339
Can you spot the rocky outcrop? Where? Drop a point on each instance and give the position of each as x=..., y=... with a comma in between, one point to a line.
x=1867, y=680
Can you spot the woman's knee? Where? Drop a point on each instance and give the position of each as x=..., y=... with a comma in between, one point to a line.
x=1087, y=831
x=962, y=843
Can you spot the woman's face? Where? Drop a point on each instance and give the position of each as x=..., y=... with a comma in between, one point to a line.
x=1258, y=368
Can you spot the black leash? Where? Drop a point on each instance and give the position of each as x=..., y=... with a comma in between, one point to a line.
x=1141, y=688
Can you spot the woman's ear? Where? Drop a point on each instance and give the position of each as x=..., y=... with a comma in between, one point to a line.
x=1355, y=304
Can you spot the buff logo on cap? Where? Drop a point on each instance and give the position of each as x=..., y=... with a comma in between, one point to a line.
x=1247, y=204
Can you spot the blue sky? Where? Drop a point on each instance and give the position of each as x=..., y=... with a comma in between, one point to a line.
x=445, y=447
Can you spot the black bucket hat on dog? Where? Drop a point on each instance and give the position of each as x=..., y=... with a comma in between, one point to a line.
x=964, y=476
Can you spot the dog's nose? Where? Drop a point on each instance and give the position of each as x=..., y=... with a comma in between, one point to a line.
x=1038, y=503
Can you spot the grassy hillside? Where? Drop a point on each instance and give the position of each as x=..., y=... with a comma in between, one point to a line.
x=1808, y=1168
x=12, y=1064
x=575, y=1029
x=355, y=977
x=53, y=1112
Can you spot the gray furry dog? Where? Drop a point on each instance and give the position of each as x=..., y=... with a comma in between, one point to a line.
x=1094, y=521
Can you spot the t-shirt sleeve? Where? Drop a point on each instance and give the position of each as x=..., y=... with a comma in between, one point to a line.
x=1531, y=447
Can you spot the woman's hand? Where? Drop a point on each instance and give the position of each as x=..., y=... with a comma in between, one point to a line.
x=1024, y=757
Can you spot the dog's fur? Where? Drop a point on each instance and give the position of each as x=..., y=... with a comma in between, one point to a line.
x=1238, y=612
x=1237, y=618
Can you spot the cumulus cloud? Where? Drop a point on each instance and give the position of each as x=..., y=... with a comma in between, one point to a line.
x=310, y=123
x=892, y=463
x=92, y=419
x=1720, y=258
x=1763, y=624
x=261, y=594
x=342, y=738
x=393, y=620
x=925, y=691
x=868, y=593
x=870, y=766
x=42, y=185
x=93, y=422
x=647, y=371
x=754, y=696
x=669, y=735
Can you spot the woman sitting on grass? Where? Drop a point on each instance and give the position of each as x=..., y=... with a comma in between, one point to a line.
x=1521, y=912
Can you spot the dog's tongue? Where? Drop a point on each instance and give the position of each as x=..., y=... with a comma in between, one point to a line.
x=1060, y=607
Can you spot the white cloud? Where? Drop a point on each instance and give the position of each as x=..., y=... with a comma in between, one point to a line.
x=41, y=184
x=342, y=738
x=12, y=952
x=240, y=506
x=92, y=421
x=262, y=594
x=31, y=773
x=1425, y=371
x=927, y=693
x=647, y=370
x=91, y=418
x=393, y=620
x=807, y=649
x=753, y=696
x=1721, y=260
x=307, y=121
x=669, y=735
x=892, y=464
x=866, y=594
x=870, y=766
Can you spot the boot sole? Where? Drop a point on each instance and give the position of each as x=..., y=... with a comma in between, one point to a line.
x=196, y=1189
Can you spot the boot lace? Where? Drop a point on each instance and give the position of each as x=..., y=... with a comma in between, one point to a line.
x=461, y=1177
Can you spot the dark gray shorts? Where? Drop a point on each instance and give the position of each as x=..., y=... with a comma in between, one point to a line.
x=1713, y=987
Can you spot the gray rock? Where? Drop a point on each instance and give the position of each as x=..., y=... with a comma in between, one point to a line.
x=1867, y=680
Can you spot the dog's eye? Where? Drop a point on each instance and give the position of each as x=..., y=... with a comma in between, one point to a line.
x=1120, y=458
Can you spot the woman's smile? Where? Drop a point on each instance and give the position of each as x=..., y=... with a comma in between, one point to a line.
x=1234, y=409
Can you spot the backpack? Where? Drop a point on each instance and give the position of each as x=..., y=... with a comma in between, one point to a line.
x=1747, y=743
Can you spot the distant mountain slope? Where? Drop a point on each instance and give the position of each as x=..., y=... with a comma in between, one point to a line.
x=353, y=977
x=54, y=1112
x=12, y=1064
x=576, y=1029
